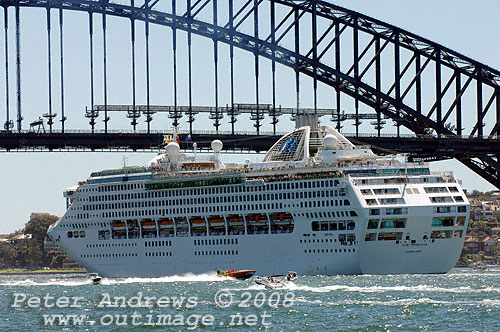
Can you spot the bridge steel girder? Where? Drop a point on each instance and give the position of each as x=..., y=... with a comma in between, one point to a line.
x=426, y=148
x=390, y=103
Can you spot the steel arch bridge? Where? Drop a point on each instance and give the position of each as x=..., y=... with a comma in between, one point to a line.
x=420, y=85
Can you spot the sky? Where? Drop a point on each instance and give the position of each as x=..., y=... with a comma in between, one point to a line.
x=34, y=182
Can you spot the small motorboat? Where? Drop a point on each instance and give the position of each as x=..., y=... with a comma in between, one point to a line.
x=237, y=274
x=270, y=282
x=95, y=278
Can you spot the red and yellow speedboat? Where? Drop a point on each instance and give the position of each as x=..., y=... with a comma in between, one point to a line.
x=237, y=274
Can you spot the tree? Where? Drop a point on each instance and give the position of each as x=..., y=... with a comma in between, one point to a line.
x=57, y=261
x=28, y=252
x=38, y=226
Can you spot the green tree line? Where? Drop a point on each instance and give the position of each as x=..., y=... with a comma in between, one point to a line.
x=29, y=253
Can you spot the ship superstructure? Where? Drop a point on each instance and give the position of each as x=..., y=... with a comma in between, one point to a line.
x=316, y=204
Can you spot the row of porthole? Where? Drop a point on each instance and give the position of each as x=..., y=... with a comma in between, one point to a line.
x=158, y=254
x=109, y=255
x=323, y=251
x=216, y=252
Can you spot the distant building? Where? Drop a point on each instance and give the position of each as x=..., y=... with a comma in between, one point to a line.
x=19, y=238
x=39, y=214
x=472, y=245
x=489, y=245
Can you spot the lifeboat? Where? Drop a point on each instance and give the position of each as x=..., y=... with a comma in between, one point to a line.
x=257, y=219
x=148, y=224
x=198, y=222
x=236, y=220
x=237, y=274
x=216, y=221
x=118, y=224
x=281, y=218
x=166, y=223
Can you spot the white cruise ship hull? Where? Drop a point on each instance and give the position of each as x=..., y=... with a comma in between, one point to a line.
x=304, y=250
x=316, y=205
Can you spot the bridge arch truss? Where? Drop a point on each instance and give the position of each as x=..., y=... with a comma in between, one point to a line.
x=419, y=85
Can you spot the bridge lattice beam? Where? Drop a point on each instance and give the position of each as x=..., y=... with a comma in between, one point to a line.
x=402, y=100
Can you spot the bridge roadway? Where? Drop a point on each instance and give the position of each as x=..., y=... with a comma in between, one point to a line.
x=423, y=148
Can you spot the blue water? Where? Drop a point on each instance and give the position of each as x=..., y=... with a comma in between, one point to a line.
x=463, y=300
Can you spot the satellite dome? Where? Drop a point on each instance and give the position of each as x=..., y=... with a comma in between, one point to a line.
x=216, y=146
x=330, y=142
x=173, y=149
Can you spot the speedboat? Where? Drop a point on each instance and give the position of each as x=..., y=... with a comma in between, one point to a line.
x=270, y=282
x=237, y=274
x=95, y=278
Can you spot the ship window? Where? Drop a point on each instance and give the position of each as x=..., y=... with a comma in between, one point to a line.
x=396, y=211
x=374, y=212
x=370, y=236
x=435, y=190
x=390, y=236
x=446, y=199
x=442, y=222
x=315, y=226
x=386, y=191
x=441, y=234
x=458, y=233
x=460, y=220
x=446, y=209
x=462, y=209
x=373, y=224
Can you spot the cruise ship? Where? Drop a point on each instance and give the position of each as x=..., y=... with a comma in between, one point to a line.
x=316, y=204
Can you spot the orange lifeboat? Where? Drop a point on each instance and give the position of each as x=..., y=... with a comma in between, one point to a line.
x=166, y=223
x=257, y=218
x=198, y=222
x=236, y=220
x=281, y=218
x=118, y=224
x=148, y=224
x=216, y=221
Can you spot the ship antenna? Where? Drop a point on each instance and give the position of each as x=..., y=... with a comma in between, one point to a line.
x=195, y=148
x=124, y=161
x=405, y=156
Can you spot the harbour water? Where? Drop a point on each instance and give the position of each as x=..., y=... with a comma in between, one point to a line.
x=462, y=300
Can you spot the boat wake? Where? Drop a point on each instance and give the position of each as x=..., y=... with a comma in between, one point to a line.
x=208, y=277
x=406, y=302
x=50, y=282
x=115, y=281
x=383, y=289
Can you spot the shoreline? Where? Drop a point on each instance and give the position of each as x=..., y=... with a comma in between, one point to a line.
x=52, y=271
